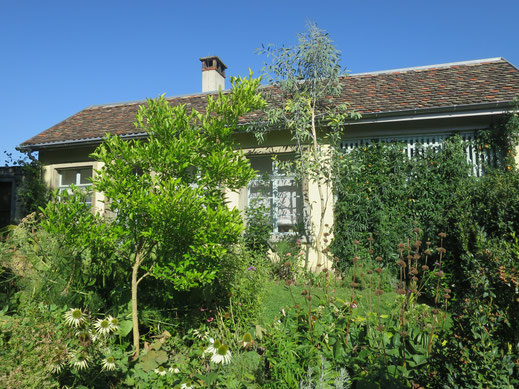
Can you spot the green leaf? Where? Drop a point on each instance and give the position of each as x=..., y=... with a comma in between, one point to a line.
x=125, y=327
x=162, y=357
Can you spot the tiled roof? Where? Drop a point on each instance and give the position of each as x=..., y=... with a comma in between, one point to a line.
x=438, y=86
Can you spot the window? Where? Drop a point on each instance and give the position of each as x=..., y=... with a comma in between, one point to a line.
x=474, y=157
x=278, y=191
x=79, y=177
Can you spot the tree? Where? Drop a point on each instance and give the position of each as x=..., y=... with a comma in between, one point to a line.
x=168, y=191
x=306, y=78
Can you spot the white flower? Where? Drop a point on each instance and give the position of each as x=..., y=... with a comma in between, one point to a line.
x=161, y=370
x=201, y=335
x=74, y=317
x=222, y=355
x=174, y=370
x=213, y=347
x=108, y=363
x=114, y=323
x=102, y=326
x=186, y=386
x=56, y=367
x=80, y=360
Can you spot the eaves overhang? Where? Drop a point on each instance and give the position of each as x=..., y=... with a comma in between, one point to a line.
x=453, y=111
x=75, y=142
x=433, y=113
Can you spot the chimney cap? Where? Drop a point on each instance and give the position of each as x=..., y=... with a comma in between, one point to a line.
x=213, y=62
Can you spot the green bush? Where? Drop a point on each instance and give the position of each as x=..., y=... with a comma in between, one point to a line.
x=28, y=345
x=258, y=228
x=481, y=349
x=383, y=192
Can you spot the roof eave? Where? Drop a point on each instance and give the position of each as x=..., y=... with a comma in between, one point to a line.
x=75, y=142
x=465, y=110
x=462, y=110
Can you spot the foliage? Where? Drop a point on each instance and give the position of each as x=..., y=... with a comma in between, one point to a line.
x=382, y=191
x=305, y=78
x=40, y=349
x=32, y=193
x=27, y=346
x=482, y=345
x=258, y=228
x=63, y=255
x=376, y=333
x=288, y=260
x=479, y=266
x=168, y=191
x=242, y=280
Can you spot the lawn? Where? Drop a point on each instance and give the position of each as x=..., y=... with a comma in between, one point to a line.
x=279, y=296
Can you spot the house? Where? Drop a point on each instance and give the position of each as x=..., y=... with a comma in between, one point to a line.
x=415, y=105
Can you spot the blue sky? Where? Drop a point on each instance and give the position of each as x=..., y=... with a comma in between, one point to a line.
x=59, y=57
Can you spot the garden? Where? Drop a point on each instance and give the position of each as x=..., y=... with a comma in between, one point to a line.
x=418, y=287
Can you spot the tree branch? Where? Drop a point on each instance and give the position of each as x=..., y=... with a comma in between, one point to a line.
x=142, y=277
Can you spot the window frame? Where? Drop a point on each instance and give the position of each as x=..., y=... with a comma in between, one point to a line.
x=275, y=179
x=77, y=182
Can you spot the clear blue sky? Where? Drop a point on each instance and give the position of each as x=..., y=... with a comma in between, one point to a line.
x=59, y=57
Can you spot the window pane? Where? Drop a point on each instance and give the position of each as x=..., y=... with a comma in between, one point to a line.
x=68, y=177
x=260, y=188
x=289, y=203
x=278, y=191
x=262, y=164
x=85, y=176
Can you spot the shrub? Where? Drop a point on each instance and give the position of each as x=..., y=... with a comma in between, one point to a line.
x=258, y=227
x=382, y=191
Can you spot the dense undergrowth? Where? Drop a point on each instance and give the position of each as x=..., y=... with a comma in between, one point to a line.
x=423, y=291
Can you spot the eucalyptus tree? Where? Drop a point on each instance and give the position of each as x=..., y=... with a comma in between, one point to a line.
x=306, y=79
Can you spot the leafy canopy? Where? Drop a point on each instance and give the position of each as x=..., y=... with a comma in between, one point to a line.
x=168, y=190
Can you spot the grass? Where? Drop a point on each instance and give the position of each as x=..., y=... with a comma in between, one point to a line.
x=279, y=297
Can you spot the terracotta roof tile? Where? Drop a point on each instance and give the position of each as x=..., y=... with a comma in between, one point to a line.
x=404, y=89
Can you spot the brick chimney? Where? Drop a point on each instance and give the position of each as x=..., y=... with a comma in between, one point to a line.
x=213, y=74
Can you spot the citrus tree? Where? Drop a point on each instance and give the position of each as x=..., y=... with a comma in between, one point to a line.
x=167, y=191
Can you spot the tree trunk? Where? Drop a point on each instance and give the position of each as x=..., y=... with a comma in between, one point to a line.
x=135, y=312
x=322, y=200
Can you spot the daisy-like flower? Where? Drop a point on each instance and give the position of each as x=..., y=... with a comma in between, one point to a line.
x=186, y=386
x=80, y=360
x=56, y=367
x=222, y=355
x=213, y=347
x=201, y=335
x=102, y=326
x=74, y=317
x=161, y=370
x=114, y=323
x=174, y=370
x=246, y=340
x=108, y=363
